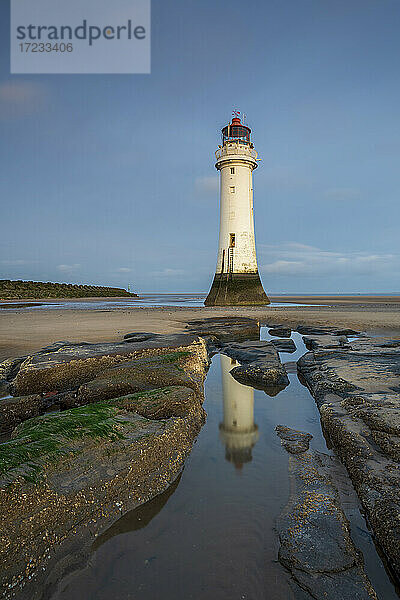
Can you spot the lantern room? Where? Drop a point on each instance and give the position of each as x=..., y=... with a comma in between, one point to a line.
x=236, y=132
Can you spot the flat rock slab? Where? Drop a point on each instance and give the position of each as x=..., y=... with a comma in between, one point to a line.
x=312, y=342
x=284, y=345
x=138, y=375
x=260, y=365
x=311, y=330
x=347, y=332
x=226, y=328
x=65, y=365
x=292, y=440
x=280, y=332
x=314, y=534
x=357, y=391
x=139, y=337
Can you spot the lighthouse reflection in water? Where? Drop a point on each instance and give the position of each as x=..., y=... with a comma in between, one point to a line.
x=237, y=431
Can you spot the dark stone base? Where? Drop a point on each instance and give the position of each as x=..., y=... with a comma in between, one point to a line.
x=236, y=289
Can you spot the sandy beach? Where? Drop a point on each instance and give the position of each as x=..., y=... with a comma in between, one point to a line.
x=25, y=331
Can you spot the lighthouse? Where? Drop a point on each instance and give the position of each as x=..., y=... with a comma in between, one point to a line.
x=236, y=281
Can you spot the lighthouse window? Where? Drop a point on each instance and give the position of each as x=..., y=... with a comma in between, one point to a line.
x=232, y=189
x=232, y=170
x=232, y=240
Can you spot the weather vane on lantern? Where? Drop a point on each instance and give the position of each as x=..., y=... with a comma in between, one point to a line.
x=236, y=115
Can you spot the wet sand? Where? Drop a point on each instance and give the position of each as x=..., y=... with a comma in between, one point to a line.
x=25, y=331
x=338, y=299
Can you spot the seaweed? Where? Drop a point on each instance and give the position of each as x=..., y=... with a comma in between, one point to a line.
x=44, y=438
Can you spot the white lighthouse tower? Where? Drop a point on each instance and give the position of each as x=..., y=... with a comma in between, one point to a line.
x=236, y=281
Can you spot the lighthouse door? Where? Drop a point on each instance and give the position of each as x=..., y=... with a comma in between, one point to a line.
x=231, y=249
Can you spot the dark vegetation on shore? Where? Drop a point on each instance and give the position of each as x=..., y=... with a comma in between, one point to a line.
x=17, y=290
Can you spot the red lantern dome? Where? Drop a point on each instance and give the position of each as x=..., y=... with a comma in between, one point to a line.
x=236, y=132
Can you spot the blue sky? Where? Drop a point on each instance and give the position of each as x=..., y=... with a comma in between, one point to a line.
x=110, y=179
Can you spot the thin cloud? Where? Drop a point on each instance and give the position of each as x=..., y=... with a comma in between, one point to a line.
x=280, y=178
x=124, y=270
x=16, y=263
x=168, y=273
x=68, y=268
x=208, y=185
x=294, y=259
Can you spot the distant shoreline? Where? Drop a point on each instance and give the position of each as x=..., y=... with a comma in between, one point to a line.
x=22, y=290
x=285, y=298
x=58, y=300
